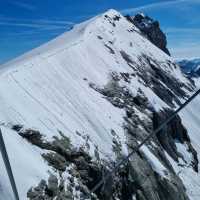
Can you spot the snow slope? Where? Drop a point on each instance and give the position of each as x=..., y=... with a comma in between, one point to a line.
x=191, y=119
x=48, y=90
x=28, y=166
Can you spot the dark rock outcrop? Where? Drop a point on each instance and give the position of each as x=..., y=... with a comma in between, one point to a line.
x=50, y=190
x=174, y=132
x=61, y=156
x=148, y=183
x=151, y=29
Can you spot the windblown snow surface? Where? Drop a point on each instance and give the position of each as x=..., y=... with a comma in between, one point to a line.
x=191, y=120
x=48, y=90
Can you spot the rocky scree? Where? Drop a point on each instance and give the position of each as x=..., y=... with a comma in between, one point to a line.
x=83, y=171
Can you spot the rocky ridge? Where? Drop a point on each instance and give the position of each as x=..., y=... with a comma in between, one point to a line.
x=151, y=29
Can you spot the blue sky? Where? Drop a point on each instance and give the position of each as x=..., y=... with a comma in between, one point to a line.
x=26, y=24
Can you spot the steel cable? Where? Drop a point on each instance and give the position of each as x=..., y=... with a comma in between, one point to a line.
x=8, y=166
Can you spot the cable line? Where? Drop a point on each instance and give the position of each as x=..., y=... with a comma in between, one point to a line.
x=8, y=166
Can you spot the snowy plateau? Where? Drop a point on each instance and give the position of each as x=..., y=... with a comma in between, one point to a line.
x=74, y=107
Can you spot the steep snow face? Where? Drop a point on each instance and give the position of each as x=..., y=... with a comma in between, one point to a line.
x=49, y=89
x=191, y=179
x=191, y=120
x=28, y=166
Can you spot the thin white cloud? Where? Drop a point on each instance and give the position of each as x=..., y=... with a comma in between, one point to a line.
x=182, y=31
x=34, y=33
x=29, y=25
x=23, y=5
x=63, y=22
x=43, y=21
x=159, y=5
x=37, y=23
x=184, y=43
x=34, y=28
x=187, y=51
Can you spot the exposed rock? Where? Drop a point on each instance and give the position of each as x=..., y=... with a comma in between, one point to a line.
x=53, y=190
x=37, y=192
x=110, y=49
x=127, y=57
x=173, y=132
x=153, y=74
x=147, y=182
x=34, y=137
x=139, y=195
x=87, y=172
x=17, y=127
x=55, y=160
x=151, y=29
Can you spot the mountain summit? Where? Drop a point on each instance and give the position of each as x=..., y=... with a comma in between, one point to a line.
x=74, y=107
x=151, y=29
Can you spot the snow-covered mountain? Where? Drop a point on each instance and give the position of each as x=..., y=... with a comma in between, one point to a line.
x=72, y=108
x=190, y=67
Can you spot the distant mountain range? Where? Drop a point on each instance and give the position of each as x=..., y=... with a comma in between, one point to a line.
x=190, y=67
